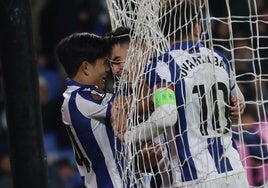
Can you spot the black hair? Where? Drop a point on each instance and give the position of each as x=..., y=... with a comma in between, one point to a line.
x=79, y=47
x=120, y=35
x=177, y=17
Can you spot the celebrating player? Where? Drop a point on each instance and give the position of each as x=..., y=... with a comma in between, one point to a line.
x=202, y=152
x=86, y=109
x=120, y=41
x=200, y=83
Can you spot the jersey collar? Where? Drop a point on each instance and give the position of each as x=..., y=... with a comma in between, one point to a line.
x=70, y=82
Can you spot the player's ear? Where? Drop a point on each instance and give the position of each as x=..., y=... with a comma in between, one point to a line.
x=196, y=30
x=85, y=67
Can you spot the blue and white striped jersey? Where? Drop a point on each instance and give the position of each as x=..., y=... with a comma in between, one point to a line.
x=201, y=147
x=86, y=111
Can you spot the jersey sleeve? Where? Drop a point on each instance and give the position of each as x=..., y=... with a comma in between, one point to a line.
x=158, y=78
x=94, y=106
x=157, y=73
x=234, y=88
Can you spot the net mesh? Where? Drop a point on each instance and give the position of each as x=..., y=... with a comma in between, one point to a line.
x=239, y=30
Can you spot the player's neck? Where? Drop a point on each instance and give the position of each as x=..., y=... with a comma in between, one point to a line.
x=172, y=42
x=84, y=80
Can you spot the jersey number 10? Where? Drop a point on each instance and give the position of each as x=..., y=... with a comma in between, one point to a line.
x=213, y=104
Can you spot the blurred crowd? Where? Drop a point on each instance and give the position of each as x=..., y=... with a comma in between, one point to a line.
x=55, y=19
x=245, y=43
x=51, y=21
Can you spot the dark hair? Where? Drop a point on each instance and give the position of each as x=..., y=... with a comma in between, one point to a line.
x=120, y=35
x=79, y=47
x=178, y=17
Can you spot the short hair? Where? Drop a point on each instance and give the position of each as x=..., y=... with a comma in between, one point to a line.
x=79, y=47
x=177, y=17
x=120, y=35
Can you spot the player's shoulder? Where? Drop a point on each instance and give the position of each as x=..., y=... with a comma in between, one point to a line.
x=160, y=59
x=220, y=55
x=94, y=94
x=216, y=52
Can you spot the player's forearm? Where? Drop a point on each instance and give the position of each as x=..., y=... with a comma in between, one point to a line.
x=163, y=117
x=237, y=92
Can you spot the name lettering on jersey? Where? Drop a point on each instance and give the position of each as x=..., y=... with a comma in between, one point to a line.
x=194, y=62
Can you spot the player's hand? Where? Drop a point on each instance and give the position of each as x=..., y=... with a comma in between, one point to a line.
x=149, y=156
x=119, y=117
x=237, y=108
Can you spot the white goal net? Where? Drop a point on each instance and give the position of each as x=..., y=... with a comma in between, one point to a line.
x=238, y=31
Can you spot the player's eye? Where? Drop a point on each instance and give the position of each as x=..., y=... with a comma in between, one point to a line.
x=115, y=62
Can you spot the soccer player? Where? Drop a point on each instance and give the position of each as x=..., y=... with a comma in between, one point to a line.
x=201, y=149
x=150, y=152
x=120, y=41
x=86, y=109
x=200, y=83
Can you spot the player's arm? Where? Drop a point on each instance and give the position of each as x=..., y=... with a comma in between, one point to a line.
x=148, y=156
x=89, y=103
x=237, y=100
x=119, y=111
x=163, y=116
x=236, y=96
x=237, y=108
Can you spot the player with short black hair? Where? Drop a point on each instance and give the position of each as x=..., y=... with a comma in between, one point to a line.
x=79, y=48
x=86, y=109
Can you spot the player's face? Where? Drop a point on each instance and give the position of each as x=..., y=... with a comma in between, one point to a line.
x=100, y=69
x=118, y=58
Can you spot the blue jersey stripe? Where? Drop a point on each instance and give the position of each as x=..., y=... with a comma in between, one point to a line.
x=215, y=148
x=188, y=169
x=116, y=148
x=108, y=112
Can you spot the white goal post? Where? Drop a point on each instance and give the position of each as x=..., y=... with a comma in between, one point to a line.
x=237, y=29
